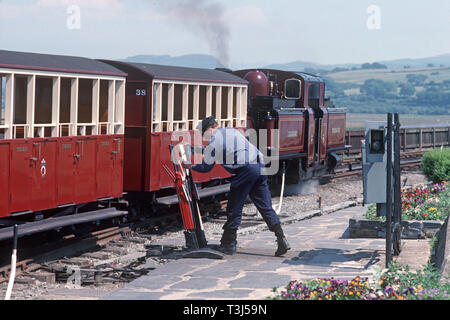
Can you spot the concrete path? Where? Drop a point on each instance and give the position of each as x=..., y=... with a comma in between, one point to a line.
x=320, y=249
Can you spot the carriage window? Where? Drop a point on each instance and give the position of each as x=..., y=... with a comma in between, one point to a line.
x=224, y=109
x=165, y=102
x=119, y=112
x=202, y=110
x=178, y=103
x=104, y=101
x=292, y=89
x=214, y=101
x=191, y=102
x=20, y=100
x=85, y=101
x=2, y=99
x=65, y=97
x=235, y=103
x=43, y=100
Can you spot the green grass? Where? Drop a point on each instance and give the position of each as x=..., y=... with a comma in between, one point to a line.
x=357, y=121
x=390, y=75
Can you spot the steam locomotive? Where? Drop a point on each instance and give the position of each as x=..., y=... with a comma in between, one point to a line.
x=311, y=129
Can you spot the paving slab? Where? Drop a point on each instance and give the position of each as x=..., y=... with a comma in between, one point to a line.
x=320, y=248
x=412, y=253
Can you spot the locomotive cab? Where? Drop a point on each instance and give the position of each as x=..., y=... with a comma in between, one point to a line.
x=303, y=134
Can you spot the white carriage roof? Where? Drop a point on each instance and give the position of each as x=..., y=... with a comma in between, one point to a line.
x=56, y=63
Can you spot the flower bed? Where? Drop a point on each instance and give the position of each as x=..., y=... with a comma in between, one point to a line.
x=421, y=203
x=395, y=283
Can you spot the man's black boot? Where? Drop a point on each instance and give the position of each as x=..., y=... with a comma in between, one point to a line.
x=228, y=242
x=283, y=244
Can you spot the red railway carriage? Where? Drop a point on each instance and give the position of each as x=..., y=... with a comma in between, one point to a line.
x=61, y=133
x=311, y=130
x=166, y=102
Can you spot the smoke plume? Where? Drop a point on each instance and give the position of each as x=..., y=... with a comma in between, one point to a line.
x=204, y=18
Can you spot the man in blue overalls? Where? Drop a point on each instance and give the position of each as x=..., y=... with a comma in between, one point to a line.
x=237, y=155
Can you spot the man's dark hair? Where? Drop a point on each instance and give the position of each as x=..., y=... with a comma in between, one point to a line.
x=207, y=123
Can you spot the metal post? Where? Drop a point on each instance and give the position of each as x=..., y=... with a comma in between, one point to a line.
x=404, y=140
x=420, y=139
x=389, y=191
x=448, y=137
x=12, y=276
x=349, y=153
x=434, y=138
x=397, y=188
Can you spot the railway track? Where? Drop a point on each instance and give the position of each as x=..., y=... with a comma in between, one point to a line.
x=31, y=259
x=352, y=166
x=357, y=169
x=118, y=250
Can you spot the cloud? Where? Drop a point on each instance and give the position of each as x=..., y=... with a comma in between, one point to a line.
x=247, y=16
x=91, y=4
x=42, y=8
x=10, y=11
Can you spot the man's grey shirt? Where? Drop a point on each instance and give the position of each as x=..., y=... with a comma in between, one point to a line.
x=229, y=148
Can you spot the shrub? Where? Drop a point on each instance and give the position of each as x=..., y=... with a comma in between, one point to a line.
x=436, y=165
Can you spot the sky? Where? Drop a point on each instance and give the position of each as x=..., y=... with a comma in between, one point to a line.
x=237, y=32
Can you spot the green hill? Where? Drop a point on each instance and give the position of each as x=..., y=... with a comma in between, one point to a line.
x=436, y=74
x=424, y=91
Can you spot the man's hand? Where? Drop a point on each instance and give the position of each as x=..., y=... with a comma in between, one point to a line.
x=187, y=165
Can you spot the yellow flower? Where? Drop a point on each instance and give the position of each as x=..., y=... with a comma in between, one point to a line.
x=380, y=282
x=420, y=287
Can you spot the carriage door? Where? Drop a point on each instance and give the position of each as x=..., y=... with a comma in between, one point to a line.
x=135, y=136
x=117, y=175
x=104, y=166
x=85, y=170
x=43, y=193
x=65, y=173
x=4, y=180
x=20, y=176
